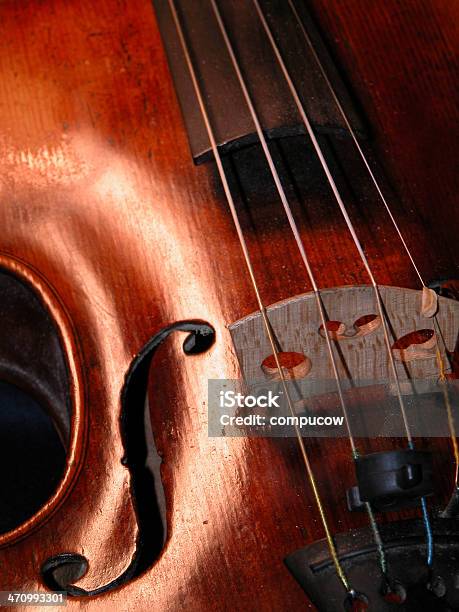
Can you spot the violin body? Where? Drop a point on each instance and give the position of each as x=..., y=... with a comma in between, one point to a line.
x=107, y=219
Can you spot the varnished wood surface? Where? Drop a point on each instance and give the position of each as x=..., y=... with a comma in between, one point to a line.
x=100, y=197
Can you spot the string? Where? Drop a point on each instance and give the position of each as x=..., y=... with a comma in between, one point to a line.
x=331, y=545
x=297, y=236
x=373, y=524
x=381, y=195
x=358, y=245
x=344, y=212
x=353, y=135
x=351, y=131
x=290, y=217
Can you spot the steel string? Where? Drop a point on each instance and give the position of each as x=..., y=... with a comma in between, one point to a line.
x=358, y=245
x=331, y=545
x=350, y=129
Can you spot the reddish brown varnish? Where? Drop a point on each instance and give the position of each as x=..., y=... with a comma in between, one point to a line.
x=416, y=337
x=105, y=213
x=332, y=326
x=361, y=321
x=286, y=359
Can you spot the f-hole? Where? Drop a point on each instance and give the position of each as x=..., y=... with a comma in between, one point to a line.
x=140, y=453
x=64, y=569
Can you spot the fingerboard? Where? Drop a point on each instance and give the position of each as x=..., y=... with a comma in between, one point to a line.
x=227, y=108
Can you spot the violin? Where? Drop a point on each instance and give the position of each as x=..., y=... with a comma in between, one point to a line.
x=243, y=200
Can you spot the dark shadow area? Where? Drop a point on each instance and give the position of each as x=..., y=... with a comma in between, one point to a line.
x=35, y=407
x=140, y=453
x=32, y=457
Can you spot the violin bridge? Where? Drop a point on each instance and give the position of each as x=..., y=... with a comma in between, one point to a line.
x=357, y=335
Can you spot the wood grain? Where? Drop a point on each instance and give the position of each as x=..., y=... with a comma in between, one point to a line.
x=101, y=198
x=360, y=359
